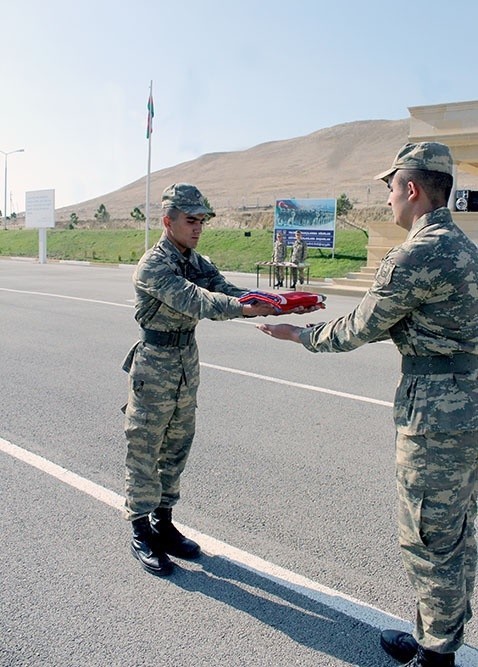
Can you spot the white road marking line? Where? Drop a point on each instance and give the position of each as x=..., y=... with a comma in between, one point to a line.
x=63, y=296
x=266, y=378
x=340, y=602
x=299, y=385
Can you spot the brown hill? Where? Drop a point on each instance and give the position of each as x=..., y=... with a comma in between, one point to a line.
x=342, y=158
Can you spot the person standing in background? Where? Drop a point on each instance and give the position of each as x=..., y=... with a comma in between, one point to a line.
x=279, y=255
x=298, y=256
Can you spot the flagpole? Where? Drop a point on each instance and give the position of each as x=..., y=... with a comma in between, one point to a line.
x=148, y=176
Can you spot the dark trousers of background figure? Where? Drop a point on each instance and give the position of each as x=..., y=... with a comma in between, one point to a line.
x=279, y=275
x=293, y=275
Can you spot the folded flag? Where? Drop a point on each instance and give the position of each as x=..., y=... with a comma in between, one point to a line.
x=284, y=302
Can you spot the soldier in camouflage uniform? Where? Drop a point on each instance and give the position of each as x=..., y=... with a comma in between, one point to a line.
x=425, y=297
x=298, y=256
x=279, y=255
x=175, y=288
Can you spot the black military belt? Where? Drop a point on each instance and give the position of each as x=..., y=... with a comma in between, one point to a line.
x=436, y=364
x=167, y=338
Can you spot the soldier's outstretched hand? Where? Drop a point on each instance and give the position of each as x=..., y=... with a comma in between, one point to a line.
x=281, y=331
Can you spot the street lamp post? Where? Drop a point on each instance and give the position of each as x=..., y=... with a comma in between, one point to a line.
x=6, y=154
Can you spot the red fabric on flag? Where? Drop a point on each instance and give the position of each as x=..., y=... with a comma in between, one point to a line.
x=284, y=302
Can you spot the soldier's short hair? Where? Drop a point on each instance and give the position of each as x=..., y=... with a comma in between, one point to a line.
x=172, y=212
x=436, y=184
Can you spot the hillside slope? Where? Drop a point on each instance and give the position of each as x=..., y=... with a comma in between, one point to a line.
x=342, y=158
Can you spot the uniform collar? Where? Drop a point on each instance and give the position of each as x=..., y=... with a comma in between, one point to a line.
x=170, y=248
x=440, y=216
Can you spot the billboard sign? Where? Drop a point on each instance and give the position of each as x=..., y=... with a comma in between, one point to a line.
x=315, y=218
x=40, y=208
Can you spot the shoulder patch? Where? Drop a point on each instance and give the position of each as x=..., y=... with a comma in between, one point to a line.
x=384, y=272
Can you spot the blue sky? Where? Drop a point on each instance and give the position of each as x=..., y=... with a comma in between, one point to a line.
x=227, y=75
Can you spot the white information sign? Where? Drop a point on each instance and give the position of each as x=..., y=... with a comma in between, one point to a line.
x=40, y=208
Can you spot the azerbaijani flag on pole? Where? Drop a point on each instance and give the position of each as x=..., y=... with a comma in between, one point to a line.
x=149, y=130
x=149, y=126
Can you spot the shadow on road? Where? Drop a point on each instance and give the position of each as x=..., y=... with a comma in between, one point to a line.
x=304, y=620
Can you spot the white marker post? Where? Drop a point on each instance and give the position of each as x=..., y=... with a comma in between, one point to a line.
x=40, y=213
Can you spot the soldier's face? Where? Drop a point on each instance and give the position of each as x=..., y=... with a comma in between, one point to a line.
x=184, y=230
x=398, y=199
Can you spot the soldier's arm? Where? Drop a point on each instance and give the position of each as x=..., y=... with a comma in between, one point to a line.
x=162, y=283
x=395, y=293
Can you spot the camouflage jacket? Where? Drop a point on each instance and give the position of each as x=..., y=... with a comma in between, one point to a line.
x=175, y=291
x=299, y=252
x=425, y=297
x=280, y=251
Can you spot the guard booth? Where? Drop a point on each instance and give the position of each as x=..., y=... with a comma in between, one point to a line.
x=454, y=124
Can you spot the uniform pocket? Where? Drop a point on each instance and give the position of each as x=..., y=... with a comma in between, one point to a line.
x=136, y=421
x=137, y=386
x=135, y=413
x=411, y=452
x=128, y=361
x=437, y=460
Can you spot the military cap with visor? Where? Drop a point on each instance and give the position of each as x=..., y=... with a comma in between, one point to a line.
x=186, y=198
x=424, y=156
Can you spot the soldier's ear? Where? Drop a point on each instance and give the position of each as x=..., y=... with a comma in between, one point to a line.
x=413, y=190
x=166, y=221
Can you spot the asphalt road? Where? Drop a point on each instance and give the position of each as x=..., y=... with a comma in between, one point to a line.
x=290, y=487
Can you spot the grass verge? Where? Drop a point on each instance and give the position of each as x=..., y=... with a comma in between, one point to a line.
x=229, y=249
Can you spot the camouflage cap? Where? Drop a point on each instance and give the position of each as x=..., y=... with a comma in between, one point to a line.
x=425, y=156
x=186, y=198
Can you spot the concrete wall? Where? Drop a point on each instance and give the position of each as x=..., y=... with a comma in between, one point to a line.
x=455, y=124
x=384, y=235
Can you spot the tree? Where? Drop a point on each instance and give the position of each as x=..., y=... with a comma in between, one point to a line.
x=102, y=214
x=138, y=214
x=206, y=202
x=74, y=220
x=344, y=205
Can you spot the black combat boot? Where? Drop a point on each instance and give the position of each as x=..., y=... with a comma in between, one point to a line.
x=171, y=540
x=145, y=547
x=405, y=649
x=426, y=658
x=400, y=645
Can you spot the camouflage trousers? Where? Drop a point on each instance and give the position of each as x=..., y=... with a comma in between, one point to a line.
x=437, y=479
x=279, y=274
x=159, y=427
x=294, y=272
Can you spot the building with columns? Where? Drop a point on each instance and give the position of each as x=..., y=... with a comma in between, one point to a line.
x=454, y=124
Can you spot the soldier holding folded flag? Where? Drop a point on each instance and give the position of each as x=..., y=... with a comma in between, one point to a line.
x=175, y=288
